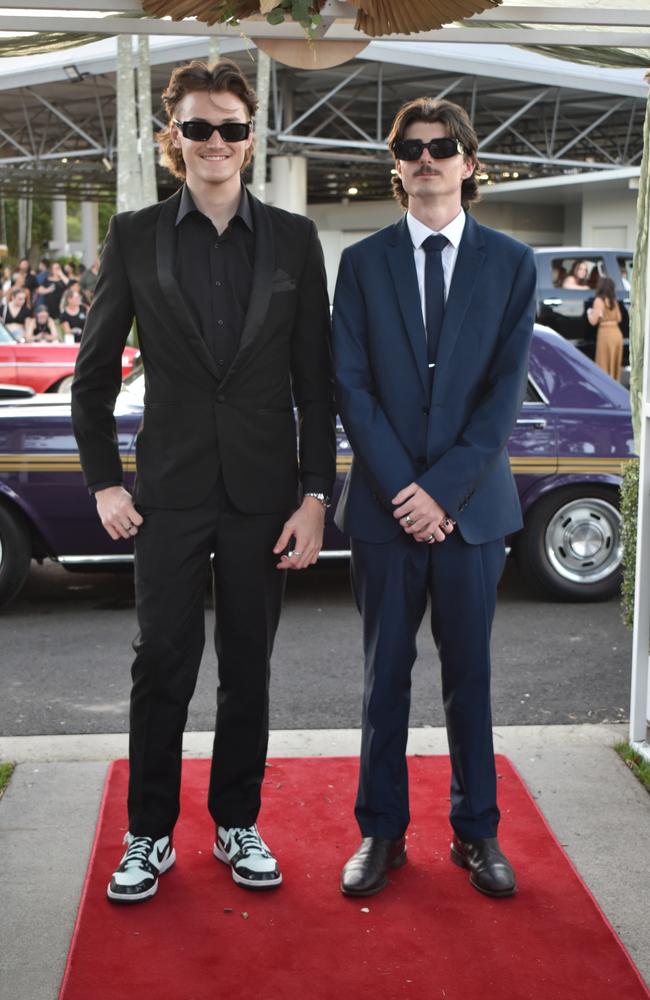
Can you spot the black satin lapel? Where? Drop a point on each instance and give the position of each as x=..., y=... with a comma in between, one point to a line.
x=402, y=266
x=166, y=261
x=263, y=268
x=463, y=283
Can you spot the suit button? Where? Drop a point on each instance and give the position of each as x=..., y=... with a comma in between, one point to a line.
x=221, y=399
x=425, y=410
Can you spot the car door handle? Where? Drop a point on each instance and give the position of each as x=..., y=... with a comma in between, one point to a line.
x=552, y=302
x=538, y=422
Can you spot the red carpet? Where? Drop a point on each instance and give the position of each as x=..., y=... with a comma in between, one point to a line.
x=428, y=936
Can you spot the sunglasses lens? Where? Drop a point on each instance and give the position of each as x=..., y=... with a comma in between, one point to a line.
x=234, y=131
x=442, y=149
x=197, y=131
x=408, y=149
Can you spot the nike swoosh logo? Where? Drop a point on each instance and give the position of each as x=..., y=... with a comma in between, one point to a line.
x=161, y=855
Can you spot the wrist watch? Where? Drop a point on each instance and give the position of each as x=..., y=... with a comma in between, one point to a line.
x=321, y=497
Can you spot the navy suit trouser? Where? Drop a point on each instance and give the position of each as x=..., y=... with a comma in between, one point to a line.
x=391, y=582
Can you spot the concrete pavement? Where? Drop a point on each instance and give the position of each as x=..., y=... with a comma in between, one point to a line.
x=597, y=809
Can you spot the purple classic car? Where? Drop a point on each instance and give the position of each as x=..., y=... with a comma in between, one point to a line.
x=571, y=439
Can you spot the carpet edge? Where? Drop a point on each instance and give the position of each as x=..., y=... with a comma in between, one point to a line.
x=603, y=916
x=86, y=883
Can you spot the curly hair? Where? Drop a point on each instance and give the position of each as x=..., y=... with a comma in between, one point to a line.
x=458, y=125
x=198, y=76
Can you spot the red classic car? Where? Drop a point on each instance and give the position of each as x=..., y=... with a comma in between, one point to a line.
x=44, y=367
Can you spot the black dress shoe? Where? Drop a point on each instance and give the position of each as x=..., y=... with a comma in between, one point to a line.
x=490, y=870
x=365, y=872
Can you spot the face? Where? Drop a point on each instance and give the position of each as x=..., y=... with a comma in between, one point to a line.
x=213, y=161
x=19, y=299
x=581, y=271
x=73, y=298
x=428, y=178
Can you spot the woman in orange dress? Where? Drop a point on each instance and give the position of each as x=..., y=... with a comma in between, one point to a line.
x=605, y=313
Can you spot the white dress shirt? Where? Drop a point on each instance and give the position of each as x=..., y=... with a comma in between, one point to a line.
x=419, y=233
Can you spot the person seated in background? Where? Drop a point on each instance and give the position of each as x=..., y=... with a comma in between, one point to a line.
x=53, y=288
x=558, y=275
x=69, y=270
x=41, y=327
x=29, y=277
x=88, y=281
x=578, y=276
x=73, y=314
x=605, y=313
x=16, y=312
x=19, y=281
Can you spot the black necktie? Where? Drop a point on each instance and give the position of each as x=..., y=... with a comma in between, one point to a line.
x=434, y=294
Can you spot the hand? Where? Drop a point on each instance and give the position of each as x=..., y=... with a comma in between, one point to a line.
x=426, y=516
x=306, y=527
x=117, y=513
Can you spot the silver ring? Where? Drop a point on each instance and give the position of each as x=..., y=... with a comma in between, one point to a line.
x=408, y=520
x=430, y=539
x=294, y=552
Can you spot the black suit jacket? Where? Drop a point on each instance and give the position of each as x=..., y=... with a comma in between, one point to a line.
x=197, y=422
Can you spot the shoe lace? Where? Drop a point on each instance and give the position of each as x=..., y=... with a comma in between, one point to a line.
x=138, y=852
x=249, y=841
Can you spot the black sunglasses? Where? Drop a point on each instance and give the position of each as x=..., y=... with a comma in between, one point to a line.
x=439, y=149
x=202, y=131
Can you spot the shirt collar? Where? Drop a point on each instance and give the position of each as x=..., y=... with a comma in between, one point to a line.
x=187, y=205
x=419, y=232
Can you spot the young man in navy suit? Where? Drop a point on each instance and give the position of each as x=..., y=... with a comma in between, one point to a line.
x=432, y=325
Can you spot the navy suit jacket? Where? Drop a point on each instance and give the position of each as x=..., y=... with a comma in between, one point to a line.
x=452, y=440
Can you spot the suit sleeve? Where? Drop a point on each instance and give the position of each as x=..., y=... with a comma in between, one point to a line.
x=452, y=479
x=375, y=444
x=98, y=372
x=312, y=376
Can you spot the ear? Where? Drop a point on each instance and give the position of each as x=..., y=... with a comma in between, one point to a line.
x=469, y=167
x=175, y=135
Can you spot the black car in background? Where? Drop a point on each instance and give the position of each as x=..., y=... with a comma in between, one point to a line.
x=564, y=309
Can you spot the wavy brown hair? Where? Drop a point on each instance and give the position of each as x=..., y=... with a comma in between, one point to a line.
x=198, y=76
x=606, y=291
x=458, y=125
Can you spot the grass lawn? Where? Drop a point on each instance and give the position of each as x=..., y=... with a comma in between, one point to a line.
x=636, y=763
x=6, y=770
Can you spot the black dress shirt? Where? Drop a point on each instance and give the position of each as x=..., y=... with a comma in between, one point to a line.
x=215, y=273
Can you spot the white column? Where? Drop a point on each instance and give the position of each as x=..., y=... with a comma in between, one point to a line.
x=129, y=177
x=59, y=241
x=258, y=187
x=289, y=180
x=89, y=231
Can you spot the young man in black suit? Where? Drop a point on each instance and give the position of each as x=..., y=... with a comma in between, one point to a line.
x=233, y=322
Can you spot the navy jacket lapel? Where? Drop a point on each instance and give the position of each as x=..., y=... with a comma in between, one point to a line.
x=399, y=252
x=165, y=261
x=470, y=259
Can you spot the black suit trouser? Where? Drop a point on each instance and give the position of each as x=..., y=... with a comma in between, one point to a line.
x=172, y=561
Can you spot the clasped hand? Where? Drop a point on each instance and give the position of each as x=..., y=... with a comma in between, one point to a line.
x=306, y=527
x=421, y=516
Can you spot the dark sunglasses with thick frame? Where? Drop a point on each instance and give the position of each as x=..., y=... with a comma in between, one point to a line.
x=439, y=149
x=202, y=131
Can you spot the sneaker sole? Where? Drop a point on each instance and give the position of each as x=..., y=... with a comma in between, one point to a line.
x=256, y=886
x=118, y=897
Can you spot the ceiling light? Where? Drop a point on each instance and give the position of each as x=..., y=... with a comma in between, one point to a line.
x=353, y=190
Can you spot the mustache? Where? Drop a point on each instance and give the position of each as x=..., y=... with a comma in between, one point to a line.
x=427, y=171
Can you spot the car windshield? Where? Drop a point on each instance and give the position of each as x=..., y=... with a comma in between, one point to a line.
x=5, y=336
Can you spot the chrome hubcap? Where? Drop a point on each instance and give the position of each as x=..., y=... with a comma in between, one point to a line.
x=583, y=540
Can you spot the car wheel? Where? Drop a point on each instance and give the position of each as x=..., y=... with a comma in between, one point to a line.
x=65, y=384
x=15, y=555
x=571, y=543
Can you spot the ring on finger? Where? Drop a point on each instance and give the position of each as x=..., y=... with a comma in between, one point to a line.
x=430, y=539
x=408, y=520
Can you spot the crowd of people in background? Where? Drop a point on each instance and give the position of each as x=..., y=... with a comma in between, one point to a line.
x=48, y=304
